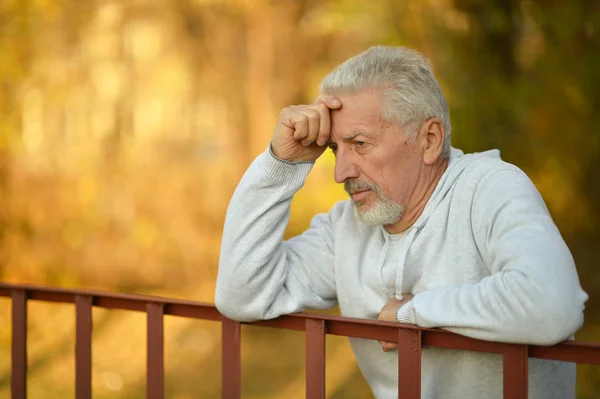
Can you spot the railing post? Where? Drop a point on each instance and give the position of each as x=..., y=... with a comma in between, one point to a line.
x=155, y=377
x=83, y=347
x=515, y=371
x=315, y=359
x=231, y=365
x=409, y=364
x=19, y=345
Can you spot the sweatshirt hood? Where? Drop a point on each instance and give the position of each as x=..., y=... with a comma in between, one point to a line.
x=457, y=163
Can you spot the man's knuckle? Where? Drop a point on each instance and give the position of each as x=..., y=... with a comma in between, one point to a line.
x=314, y=117
x=296, y=118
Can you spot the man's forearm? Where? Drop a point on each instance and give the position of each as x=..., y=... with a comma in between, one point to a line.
x=505, y=307
x=252, y=265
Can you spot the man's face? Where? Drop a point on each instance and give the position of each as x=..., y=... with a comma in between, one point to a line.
x=377, y=164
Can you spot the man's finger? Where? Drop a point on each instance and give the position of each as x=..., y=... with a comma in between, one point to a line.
x=332, y=102
x=390, y=346
x=300, y=123
x=325, y=125
x=313, y=117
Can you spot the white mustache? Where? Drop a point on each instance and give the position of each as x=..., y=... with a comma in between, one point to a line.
x=354, y=185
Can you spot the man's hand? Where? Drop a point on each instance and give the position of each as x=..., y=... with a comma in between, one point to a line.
x=388, y=313
x=302, y=131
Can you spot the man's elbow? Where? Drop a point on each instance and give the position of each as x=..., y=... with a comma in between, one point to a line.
x=557, y=324
x=233, y=309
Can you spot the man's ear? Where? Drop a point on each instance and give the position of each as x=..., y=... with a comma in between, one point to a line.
x=432, y=139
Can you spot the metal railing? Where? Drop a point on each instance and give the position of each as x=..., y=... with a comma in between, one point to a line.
x=410, y=339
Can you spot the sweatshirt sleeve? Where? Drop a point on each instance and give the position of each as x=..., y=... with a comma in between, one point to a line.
x=533, y=295
x=260, y=275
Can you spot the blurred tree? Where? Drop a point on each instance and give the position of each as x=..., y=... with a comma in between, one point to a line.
x=15, y=50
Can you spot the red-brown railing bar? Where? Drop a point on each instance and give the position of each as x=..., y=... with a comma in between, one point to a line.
x=231, y=362
x=155, y=377
x=111, y=300
x=585, y=352
x=19, y=344
x=290, y=322
x=409, y=364
x=580, y=352
x=83, y=347
x=515, y=372
x=453, y=341
x=193, y=311
x=570, y=351
x=315, y=359
x=382, y=332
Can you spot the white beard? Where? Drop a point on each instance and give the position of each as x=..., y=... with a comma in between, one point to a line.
x=383, y=212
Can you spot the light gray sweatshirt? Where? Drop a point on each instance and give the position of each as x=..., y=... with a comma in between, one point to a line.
x=485, y=260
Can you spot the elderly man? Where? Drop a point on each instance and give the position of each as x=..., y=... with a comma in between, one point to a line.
x=430, y=235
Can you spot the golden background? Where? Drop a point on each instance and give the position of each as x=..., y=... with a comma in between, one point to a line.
x=126, y=125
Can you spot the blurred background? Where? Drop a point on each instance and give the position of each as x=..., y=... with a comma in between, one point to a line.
x=126, y=125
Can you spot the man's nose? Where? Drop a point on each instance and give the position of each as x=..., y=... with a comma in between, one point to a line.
x=345, y=167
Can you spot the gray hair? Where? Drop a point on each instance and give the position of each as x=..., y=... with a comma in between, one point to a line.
x=411, y=93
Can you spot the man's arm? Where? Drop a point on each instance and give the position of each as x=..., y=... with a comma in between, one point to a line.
x=533, y=295
x=260, y=275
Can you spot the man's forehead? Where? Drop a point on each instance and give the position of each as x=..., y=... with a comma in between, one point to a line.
x=360, y=114
x=348, y=134
x=356, y=111
x=353, y=124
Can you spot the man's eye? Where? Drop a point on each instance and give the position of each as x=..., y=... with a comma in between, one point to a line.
x=360, y=143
